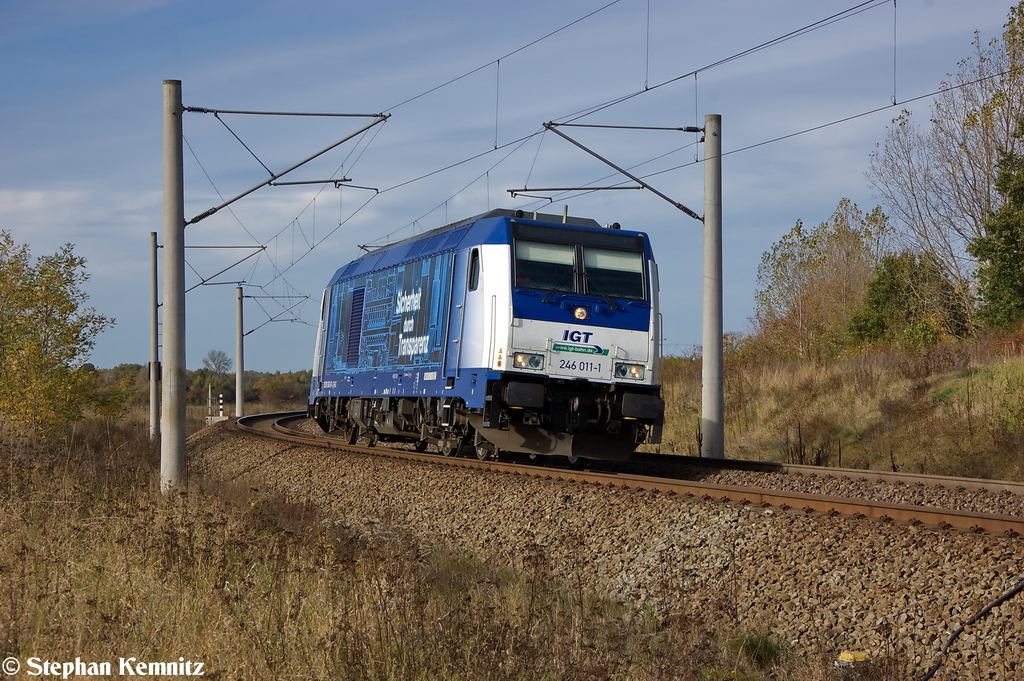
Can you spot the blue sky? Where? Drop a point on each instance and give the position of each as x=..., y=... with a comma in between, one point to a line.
x=80, y=144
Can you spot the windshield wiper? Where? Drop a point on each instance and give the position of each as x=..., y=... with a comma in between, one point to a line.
x=591, y=285
x=552, y=292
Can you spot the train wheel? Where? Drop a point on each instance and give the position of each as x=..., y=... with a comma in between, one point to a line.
x=447, y=448
x=576, y=462
x=420, y=446
x=485, y=452
x=536, y=459
x=349, y=433
x=371, y=438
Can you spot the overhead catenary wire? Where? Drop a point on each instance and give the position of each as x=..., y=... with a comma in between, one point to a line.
x=852, y=11
x=856, y=9
x=521, y=142
x=273, y=176
x=275, y=318
x=341, y=223
x=379, y=118
x=261, y=249
x=822, y=23
x=586, y=189
x=344, y=163
x=215, y=189
x=504, y=56
x=572, y=117
x=838, y=16
x=868, y=112
x=554, y=128
x=805, y=131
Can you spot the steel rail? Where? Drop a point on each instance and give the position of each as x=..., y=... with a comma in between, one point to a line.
x=274, y=426
x=909, y=479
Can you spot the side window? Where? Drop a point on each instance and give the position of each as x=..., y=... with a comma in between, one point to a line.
x=474, y=269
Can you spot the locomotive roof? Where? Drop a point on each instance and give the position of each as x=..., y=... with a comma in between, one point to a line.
x=496, y=213
x=446, y=238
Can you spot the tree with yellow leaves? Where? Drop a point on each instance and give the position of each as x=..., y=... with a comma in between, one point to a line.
x=812, y=282
x=46, y=334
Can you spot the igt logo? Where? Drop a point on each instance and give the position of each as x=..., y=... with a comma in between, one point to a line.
x=577, y=336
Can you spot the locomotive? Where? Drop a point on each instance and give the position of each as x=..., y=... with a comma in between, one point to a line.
x=507, y=332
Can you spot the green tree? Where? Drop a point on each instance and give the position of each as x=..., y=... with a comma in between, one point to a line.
x=1000, y=251
x=283, y=388
x=812, y=282
x=46, y=334
x=908, y=302
x=203, y=383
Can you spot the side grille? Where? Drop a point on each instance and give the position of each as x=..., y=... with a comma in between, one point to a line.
x=355, y=327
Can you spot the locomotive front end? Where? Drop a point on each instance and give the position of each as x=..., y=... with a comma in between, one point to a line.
x=580, y=373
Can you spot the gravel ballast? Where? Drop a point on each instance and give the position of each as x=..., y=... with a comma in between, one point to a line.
x=824, y=584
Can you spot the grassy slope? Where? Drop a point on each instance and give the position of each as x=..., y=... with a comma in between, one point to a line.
x=96, y=564
x=954, y=410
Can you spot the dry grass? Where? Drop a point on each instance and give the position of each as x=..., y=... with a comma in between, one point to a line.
x=96, y=564
x=955, y=410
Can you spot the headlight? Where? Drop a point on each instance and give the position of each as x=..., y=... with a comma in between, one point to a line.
x=633, y=371
x=525, y=360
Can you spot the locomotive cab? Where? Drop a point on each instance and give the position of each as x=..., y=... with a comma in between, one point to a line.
x=580, y=376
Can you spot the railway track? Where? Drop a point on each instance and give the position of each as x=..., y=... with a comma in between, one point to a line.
x=277, y=426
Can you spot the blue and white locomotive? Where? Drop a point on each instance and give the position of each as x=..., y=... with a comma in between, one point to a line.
x=505, y=332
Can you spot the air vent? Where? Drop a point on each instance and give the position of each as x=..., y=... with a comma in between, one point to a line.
x=355, y=327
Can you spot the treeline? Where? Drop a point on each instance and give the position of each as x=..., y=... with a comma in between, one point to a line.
x=128, y=385
x=943, y=260
x=47, y=331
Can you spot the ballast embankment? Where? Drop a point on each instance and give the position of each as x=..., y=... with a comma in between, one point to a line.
x=824, y=584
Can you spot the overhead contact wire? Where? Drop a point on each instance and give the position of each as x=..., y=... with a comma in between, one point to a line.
x=845, y=14
x=505, y=56
x=852, y=11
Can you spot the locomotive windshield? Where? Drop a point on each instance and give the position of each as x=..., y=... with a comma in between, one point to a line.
x=615, y=274
x=596, y=264
x=545, y=267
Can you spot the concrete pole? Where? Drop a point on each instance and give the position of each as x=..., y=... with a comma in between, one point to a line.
x=172, y=443
x=712, y=375
x=239, y=360
x=154, y=340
